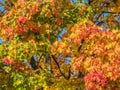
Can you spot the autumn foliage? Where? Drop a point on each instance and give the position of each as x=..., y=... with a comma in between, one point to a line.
x=59, y=44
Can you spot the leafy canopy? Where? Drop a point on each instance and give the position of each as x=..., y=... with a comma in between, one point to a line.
x=59, y=44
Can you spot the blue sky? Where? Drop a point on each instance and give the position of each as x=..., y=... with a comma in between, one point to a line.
x=1, y=8
x=2, y=1
x=0, y=40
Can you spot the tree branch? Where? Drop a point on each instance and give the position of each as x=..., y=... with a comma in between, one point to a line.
x=90, y=1
x=66, y=77
x=80, y=47
x=111, y=12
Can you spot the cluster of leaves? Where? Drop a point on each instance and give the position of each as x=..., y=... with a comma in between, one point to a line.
x=95, y=53
x=33, y=58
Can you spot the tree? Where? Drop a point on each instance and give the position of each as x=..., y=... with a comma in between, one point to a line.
x=35, y=56
x=106, y=13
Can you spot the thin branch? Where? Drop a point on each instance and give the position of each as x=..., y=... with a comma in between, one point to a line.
x=39, y=61
x=100, y=23
x=111, y=12
x=51, y=66
x=80, y=47
x=66, y=77
x=69, y=72
x=103, y=12
x=90, y=1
